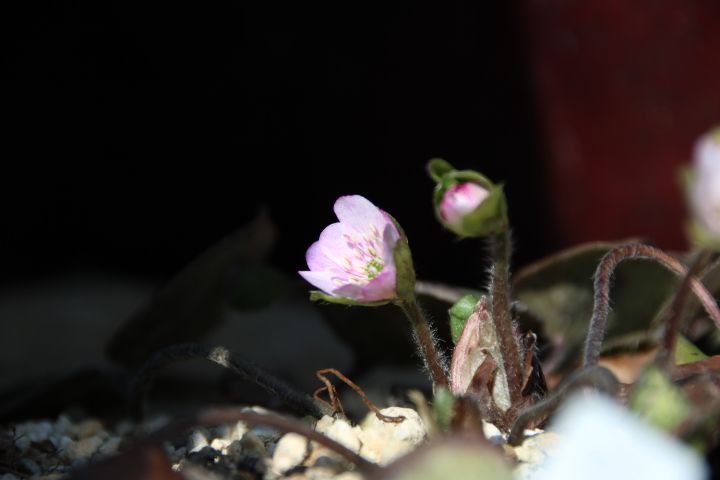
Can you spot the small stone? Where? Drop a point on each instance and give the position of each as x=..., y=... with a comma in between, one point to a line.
x=492, y=433
x=63, y=425
x=111, y=446
x=82, y=449
x=30, y=466
x=220, y=444
x=35, y=431
x=8, y=476
x=536, y=448
x=341, y=431
x=235, y=451
x=290, y=451
x=90, y=428
x=349, y=476
x=383, y=442
x=252, y=445
x=197, y=441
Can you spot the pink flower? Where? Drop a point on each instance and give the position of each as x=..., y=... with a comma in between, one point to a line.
x=705, y=191
x=354, y=257
x=458, y=201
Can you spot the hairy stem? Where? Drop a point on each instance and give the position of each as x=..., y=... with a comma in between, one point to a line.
x=595, y=376
x=677, y=310
x=293, y=397
x=425, y=341
x=500, y=248
x=603, y=276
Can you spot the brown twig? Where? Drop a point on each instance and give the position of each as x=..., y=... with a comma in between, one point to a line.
x=335, y=401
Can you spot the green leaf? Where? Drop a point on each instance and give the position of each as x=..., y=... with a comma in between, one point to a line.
x=454, y=458
x=459, y=314
x=659, y=401
x=443, y=402
x=686, y=351
x=318, y=296
x=558, y=291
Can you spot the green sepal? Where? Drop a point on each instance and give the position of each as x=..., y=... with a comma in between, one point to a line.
x=404, y=270
x=318, y=296
x=438, y=168
x=459, y=313
x=489, y=218
x=443, y=402
x=659, y=401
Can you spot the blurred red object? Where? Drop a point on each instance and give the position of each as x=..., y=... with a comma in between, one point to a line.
x=623, y=90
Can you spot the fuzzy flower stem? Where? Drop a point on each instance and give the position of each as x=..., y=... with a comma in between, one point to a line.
x=500, y=247
x=603, y=275
x=425, y=341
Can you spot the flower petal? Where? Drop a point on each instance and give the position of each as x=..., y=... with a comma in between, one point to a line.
x=381, y=287
x=324, y=253
x=322, y=280
x=359, y=213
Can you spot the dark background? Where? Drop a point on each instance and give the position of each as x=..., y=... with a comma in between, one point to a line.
x=141, y=133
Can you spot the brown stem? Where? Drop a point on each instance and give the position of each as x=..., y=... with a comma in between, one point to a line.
x=425, y=341
x=222, y=356
x=603, y=275
x=500, y=247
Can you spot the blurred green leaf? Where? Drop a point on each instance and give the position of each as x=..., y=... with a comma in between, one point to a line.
x=687, y=352
x=454, y=458
x=558, y=290
x=659, y=401
x=443, y=402
x=459, y=313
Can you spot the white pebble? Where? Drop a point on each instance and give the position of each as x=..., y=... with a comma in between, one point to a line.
x=383, y=442
x=341, y=431
x=290, y=451
x=82, y=449
x=198, y=440
x=220, y=444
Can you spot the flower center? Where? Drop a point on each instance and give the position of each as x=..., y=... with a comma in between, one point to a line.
x=364, y=262
x=373, y=268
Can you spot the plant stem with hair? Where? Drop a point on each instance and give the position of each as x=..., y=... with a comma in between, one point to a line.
x=500, y=248
x=603, y=276
x=425, y=342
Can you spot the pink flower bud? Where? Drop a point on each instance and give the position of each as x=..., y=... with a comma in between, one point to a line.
x=705, y=188
x=354, y=257
x=458, y=201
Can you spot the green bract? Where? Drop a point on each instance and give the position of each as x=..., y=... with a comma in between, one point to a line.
x=488, y=218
